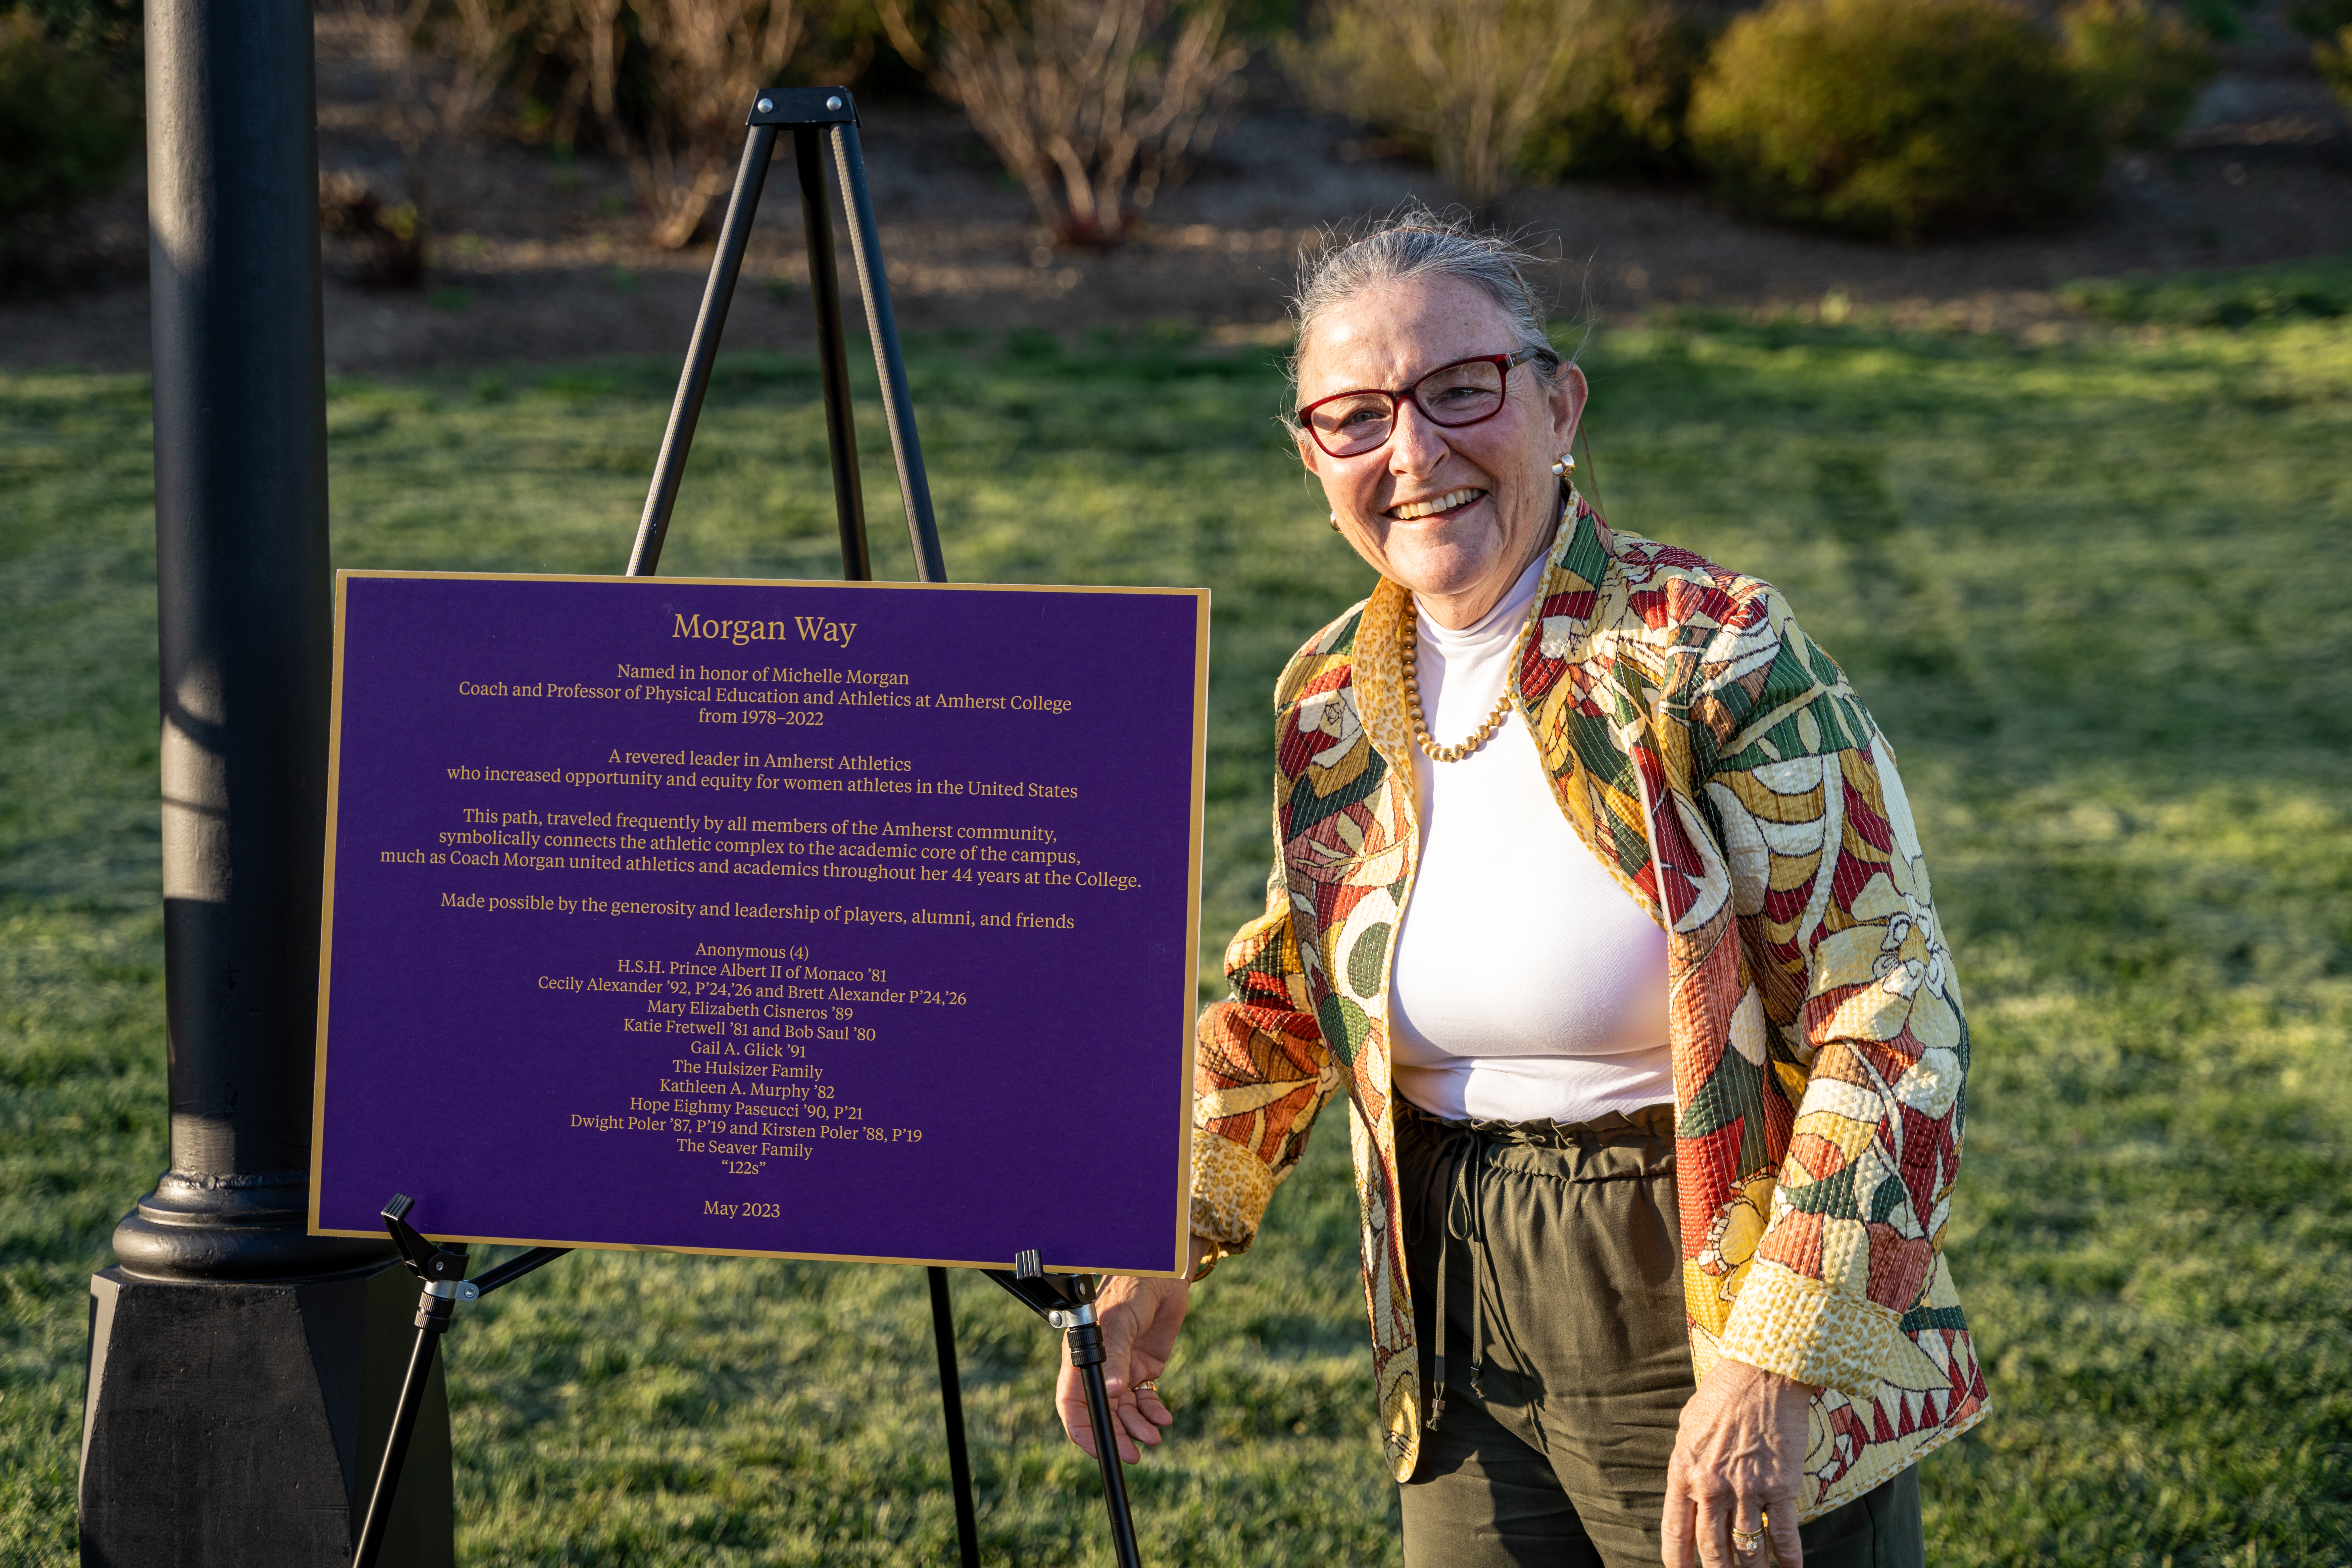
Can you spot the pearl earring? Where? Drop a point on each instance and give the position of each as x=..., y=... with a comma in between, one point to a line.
x=1566, y=466
x=1335, y=522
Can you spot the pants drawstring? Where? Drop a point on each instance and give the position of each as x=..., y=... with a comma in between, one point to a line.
x=1462, y=1220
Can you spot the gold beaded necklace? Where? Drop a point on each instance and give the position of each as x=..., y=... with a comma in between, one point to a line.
x=1480, y=736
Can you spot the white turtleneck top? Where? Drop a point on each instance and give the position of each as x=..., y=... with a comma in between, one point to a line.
x=1527, y=983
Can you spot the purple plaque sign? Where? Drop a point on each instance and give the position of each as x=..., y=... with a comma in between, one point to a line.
x=849, y=921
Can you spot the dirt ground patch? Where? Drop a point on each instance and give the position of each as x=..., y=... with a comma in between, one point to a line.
x=551, y=263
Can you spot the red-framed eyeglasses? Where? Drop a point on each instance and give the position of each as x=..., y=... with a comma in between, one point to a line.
x=1349, y=424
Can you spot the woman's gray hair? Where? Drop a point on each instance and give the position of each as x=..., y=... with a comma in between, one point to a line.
x=1407, y=247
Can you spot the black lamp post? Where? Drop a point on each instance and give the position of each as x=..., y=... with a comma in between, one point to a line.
x=231, y=1380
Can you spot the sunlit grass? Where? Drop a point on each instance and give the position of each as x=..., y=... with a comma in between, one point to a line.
x=2094, y=592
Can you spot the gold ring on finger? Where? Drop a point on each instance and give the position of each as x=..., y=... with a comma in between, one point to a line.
x=1746, y=1540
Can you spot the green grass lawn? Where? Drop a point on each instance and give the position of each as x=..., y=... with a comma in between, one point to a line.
x=2094, y=591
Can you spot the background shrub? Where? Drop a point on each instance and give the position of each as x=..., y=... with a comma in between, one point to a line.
x=2141, y=67
x=438, y=66
x=104, y=27
x=2328, y=25
x=1091, y=104
x=2221, y=19
x=67, y=128
x=2335, y=60
x=1895, y=116
x=1620, y=107
x=706, y=62
x=2319, y=20
x=1471, y=78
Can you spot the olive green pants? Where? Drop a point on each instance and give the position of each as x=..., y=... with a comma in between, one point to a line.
x=1560, y=1381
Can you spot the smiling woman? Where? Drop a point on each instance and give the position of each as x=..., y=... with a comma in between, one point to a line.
x=1650, y=1045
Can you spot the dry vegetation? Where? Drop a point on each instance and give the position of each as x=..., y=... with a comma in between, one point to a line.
x=706, y=60
x=1091, y=103
x=439, y=66
x=1472, y=76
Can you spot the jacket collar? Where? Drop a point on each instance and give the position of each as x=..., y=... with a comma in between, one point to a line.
x=1573, y=587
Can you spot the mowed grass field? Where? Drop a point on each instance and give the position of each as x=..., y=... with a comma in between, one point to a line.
x=2096, y=592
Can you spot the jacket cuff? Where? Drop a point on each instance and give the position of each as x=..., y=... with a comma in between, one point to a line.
x=1231, y=1187
x=1801, y=1328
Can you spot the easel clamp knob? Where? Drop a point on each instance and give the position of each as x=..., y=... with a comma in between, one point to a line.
x=434, y=1265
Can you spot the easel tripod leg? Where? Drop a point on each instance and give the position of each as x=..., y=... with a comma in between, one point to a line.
x=429, y=1326
x=1114, y=1475
x=1067, y=1302
x=898, y=404
x=951, y=1409
x=831, y=355
x=702, y=350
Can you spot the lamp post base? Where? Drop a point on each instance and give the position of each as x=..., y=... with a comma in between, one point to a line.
x=225, y=1423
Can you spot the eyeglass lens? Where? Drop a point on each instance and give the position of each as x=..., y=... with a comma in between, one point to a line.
x=1452, y=396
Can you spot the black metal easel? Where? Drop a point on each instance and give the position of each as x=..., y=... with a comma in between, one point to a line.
x=1065, y=1301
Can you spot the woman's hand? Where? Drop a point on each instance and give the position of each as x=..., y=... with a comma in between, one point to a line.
x=1731, y=1485
x=1139, y=1319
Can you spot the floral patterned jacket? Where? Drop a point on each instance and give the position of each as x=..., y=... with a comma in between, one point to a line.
x=1718, y=762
